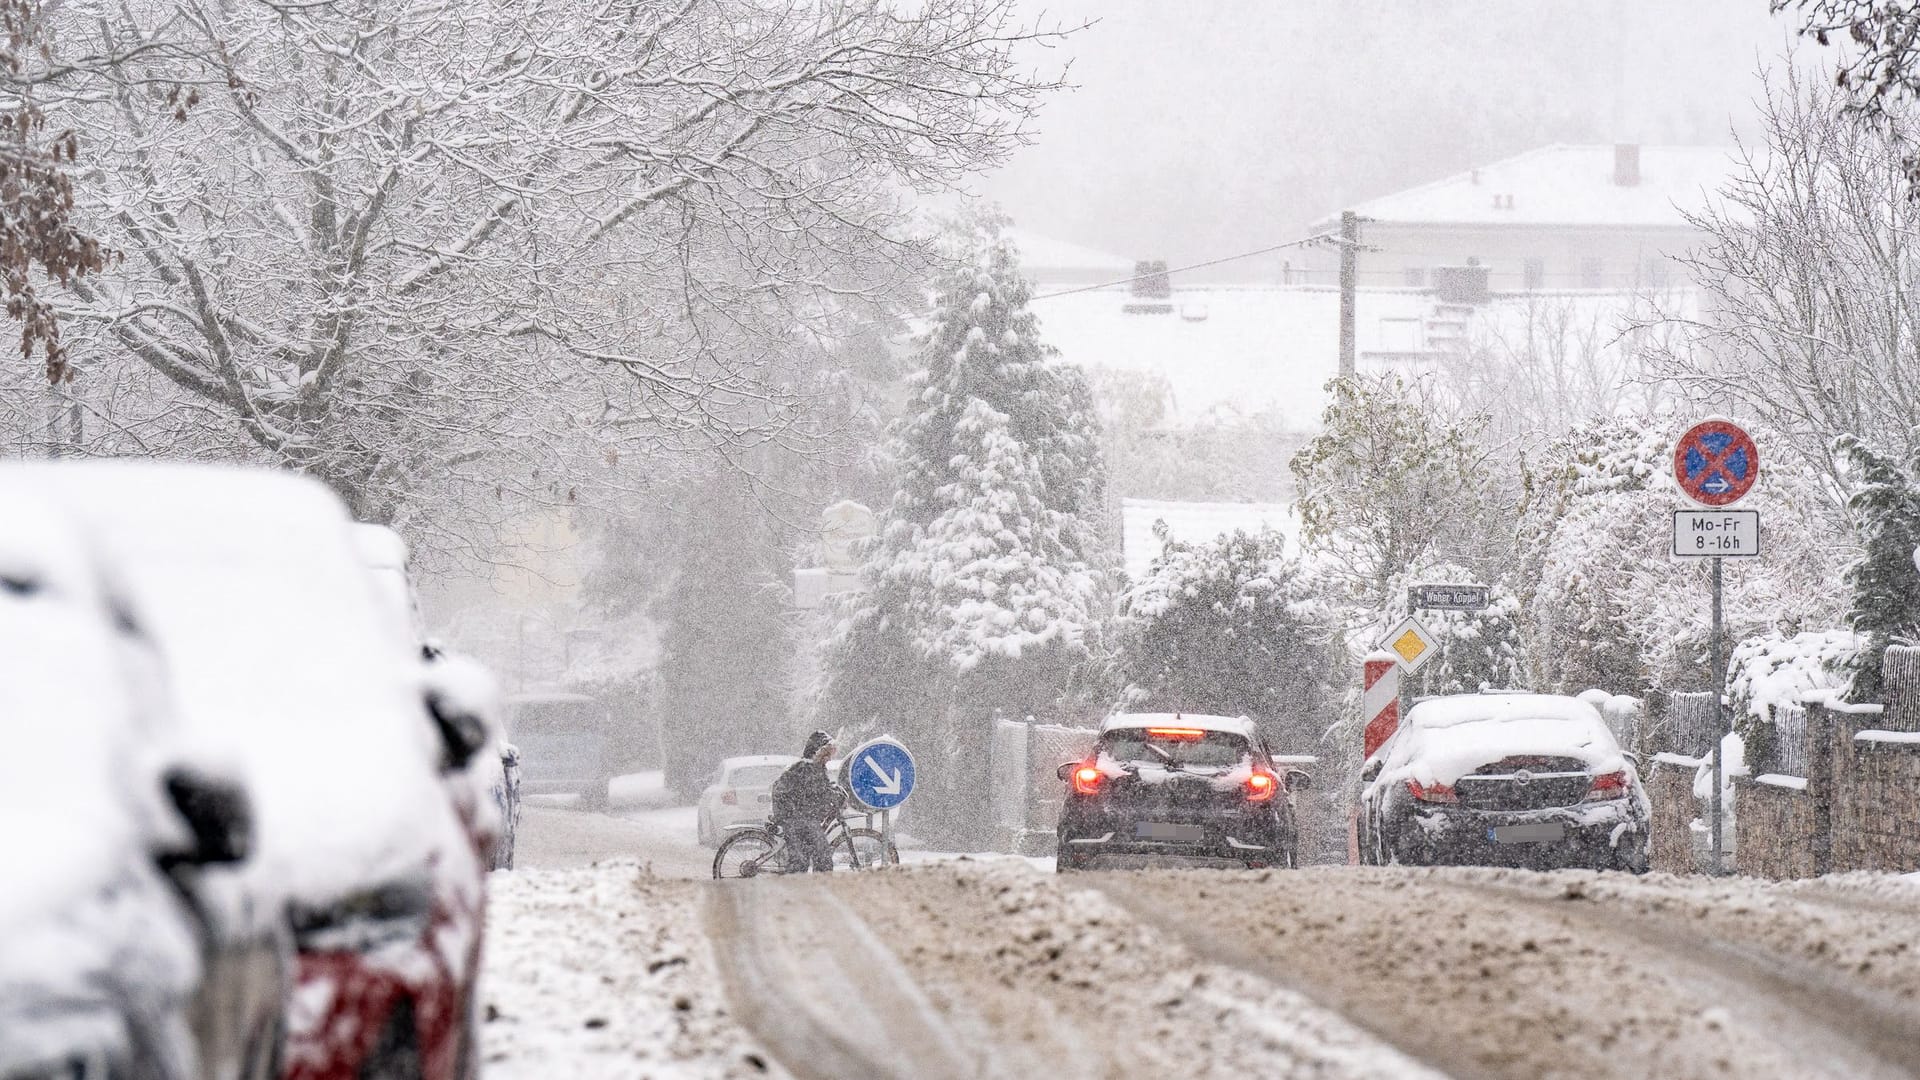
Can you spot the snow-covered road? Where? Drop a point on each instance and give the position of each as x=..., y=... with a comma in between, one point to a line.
x=989, y=967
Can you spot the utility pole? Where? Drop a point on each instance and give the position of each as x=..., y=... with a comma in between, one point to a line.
x=1349, y=272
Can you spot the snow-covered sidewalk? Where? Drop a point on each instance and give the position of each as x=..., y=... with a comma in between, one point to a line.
x=605, y=972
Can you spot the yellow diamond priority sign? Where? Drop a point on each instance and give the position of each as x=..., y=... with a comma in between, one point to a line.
x=1410, y=644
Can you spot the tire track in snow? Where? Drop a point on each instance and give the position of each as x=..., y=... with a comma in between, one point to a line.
x=1814, y=1007
x=826, y=997
x=1493, y=982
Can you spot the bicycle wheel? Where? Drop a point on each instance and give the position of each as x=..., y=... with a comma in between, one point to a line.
x=750, y=853
x=863, y=849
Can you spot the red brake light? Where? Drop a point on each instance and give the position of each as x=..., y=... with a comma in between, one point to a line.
x=730, y=798
x=1176, y=732
x=1262, y=786
x=1437, y=793
x=1611, y=785
x=1086, y=780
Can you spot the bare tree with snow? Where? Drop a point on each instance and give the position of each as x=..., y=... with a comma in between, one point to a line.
x=424, y=252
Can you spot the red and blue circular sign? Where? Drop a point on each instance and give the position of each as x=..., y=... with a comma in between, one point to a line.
x=1715, y=463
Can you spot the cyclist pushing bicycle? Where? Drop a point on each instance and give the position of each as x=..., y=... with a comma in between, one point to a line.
x=805, y=798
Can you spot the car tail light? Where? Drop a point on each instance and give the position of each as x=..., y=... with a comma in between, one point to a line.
x=1086, y=780
x=730, y=798
x=1440, y=793
x=1175, y=732
x=1262, y=786
x=1611, y=785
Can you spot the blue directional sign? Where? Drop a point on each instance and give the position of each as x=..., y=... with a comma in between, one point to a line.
x=880, y=774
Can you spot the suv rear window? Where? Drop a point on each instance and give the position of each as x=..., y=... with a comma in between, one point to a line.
x=1209, y=748
x=557, y=718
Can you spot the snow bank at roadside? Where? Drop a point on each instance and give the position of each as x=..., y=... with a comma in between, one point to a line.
x=605, y=972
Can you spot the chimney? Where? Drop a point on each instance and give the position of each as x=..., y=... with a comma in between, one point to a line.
x=1626, y=164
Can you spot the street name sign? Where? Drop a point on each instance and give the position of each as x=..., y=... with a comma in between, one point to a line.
x=1411, y=645
x=1704, y=534
x=880, y=774
x=1448, y=597
x=1715, y=463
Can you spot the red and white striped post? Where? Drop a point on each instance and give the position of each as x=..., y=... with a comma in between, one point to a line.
x=1380, y=704
x=1380, y=701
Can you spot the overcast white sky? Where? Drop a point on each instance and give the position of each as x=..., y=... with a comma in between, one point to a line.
x=1206, y=127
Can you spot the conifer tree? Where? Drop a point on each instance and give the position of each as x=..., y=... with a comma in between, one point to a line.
x=981, y=594
x=1885, y=582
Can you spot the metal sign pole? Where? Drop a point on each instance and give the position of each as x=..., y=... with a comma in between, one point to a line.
x=1717, y=684
x=886, y=835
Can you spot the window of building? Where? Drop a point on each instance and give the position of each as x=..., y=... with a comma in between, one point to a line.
x=1593, y=273
x=1416, y=277
x=1533, y=273
x=1657, y=273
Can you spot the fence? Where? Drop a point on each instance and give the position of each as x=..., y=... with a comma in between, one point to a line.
x=1026, y=794
x=1839, y=790
x=1692, y=726
x=1792, y=753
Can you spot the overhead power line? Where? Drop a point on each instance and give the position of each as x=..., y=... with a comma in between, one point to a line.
x=1307, y=242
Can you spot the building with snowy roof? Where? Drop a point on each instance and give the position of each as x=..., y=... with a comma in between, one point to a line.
x=1558, y=217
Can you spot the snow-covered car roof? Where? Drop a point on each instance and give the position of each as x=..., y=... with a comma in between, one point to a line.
x=1452, y=736
x=1466, y=708
x=751, y=760
x=279, y=658
x=1237, y=725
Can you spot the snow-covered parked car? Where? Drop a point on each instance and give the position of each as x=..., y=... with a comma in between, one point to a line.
x=487, y=791
x=117, y=951
x=1504, y=779
x=251, y=585
x=1173, y=789
x=740, y=792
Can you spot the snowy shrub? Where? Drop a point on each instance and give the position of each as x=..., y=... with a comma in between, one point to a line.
x=1885, y=580
x=1230, y=627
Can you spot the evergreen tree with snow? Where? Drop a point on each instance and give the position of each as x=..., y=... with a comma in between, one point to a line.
x=1231, y=627
x=982, y=593
x=1884, y=580
x=725, y=645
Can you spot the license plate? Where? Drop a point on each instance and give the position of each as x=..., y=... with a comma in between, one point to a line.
x=1527, y=834
x=1156, y=830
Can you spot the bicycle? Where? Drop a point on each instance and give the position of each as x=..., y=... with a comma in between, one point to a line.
x=762, y=850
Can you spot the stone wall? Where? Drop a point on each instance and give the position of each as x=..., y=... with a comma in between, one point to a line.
x=1776, y=817
x=1670, y=788
x=1876, y=797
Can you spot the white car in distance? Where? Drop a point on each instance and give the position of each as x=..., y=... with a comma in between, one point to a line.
x=740, y=792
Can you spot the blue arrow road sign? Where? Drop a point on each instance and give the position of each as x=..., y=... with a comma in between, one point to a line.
x=881, y=774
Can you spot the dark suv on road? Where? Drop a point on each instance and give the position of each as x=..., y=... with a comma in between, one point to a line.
x=1172, y=789
x=1504, y=779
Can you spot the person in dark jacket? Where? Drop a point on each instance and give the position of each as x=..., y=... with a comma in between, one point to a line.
x=803, y=799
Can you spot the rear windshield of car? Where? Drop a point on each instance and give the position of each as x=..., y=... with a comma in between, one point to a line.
x=755, y=775
x=1212, y=748
x=557, y=718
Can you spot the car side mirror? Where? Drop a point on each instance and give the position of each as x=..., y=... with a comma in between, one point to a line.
x=463, y=701
x=1298, y=781
x=1371, y=771
x=218, y=815
x=1066, y=769
x=462, y=734
x=1631, y=756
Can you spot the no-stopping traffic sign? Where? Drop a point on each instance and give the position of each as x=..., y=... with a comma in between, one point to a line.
x=1715, y=463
